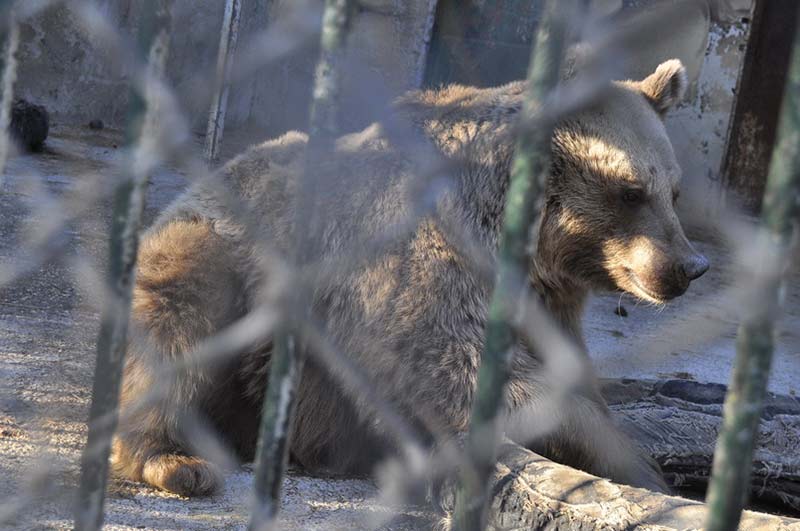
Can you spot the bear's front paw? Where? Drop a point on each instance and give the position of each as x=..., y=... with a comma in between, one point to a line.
x=442, y=486
x=646, y=474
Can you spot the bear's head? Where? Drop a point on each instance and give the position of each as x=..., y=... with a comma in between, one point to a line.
x=609, y=220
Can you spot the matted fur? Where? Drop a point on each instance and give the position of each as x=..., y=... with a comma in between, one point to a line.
x=411, y=314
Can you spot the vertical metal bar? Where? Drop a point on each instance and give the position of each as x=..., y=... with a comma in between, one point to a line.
x=528, y=173
x=424, y=44
x=286, y=364
x=754, y=123
x=128, y=206
x=9, y=34
x=273, y=446
x=730, y=479
x=229, y=37
x=323, y=124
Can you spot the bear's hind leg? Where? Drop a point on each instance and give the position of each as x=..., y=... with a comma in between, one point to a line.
x=186, y=289
x=182, y=474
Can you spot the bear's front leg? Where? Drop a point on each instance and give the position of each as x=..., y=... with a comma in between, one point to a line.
x=576, y=429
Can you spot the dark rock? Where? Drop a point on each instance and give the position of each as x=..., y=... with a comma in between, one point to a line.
x=97, y=125
x=694, y=392
x=30, y=125
x=780, y=405
x=624, y=391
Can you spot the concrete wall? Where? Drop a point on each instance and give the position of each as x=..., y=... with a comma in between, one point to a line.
x=77, y=76
x=388, y=52
x=483, y=42
x=711, y=44
x=68, y=70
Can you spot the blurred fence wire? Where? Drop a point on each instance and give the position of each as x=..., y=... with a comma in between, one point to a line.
x=159, y=133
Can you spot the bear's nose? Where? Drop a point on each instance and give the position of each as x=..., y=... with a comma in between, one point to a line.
x=694, y=267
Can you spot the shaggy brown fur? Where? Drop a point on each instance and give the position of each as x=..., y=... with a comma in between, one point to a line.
x=411, y=314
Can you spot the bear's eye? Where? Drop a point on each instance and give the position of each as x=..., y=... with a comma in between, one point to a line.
x=675, y=195
x=633, y=196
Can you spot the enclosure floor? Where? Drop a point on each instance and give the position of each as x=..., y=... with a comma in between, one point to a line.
x=48, y=326
x=692, y=337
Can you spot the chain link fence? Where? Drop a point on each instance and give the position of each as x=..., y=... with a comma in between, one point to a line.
x=323, y=299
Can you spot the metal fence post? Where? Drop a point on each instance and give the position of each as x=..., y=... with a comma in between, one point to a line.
x=424, y=44
x=287, y=359
x=528, y=172
x=9, y=39
x=128, y=207
x=730, y=479
x=219, y=105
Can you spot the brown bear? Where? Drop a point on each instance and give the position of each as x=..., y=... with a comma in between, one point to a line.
x=409, y=310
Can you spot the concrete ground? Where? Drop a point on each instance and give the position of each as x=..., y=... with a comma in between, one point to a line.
x=691, y=337
x=49, y=319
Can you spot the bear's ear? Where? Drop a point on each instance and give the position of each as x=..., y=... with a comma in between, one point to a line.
x=666, y=86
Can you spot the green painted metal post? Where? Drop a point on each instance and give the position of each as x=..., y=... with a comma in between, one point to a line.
x=9, y=39
x=128, y=207
x=287, y=359
x=529, y=170
x=730, y=479
x=323, y=126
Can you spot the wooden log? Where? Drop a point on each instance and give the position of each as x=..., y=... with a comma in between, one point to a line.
x=531, y=492
x=677, y=422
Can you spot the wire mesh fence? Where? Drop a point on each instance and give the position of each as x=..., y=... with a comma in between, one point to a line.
x=324, y=298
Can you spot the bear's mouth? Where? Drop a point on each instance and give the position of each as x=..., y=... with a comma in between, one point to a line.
x=646, y=293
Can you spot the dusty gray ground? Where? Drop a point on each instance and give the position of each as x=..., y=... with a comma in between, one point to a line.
x=48, y=323
x=692, y=337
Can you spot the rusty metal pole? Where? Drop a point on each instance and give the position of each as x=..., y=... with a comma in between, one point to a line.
x=756, y=110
